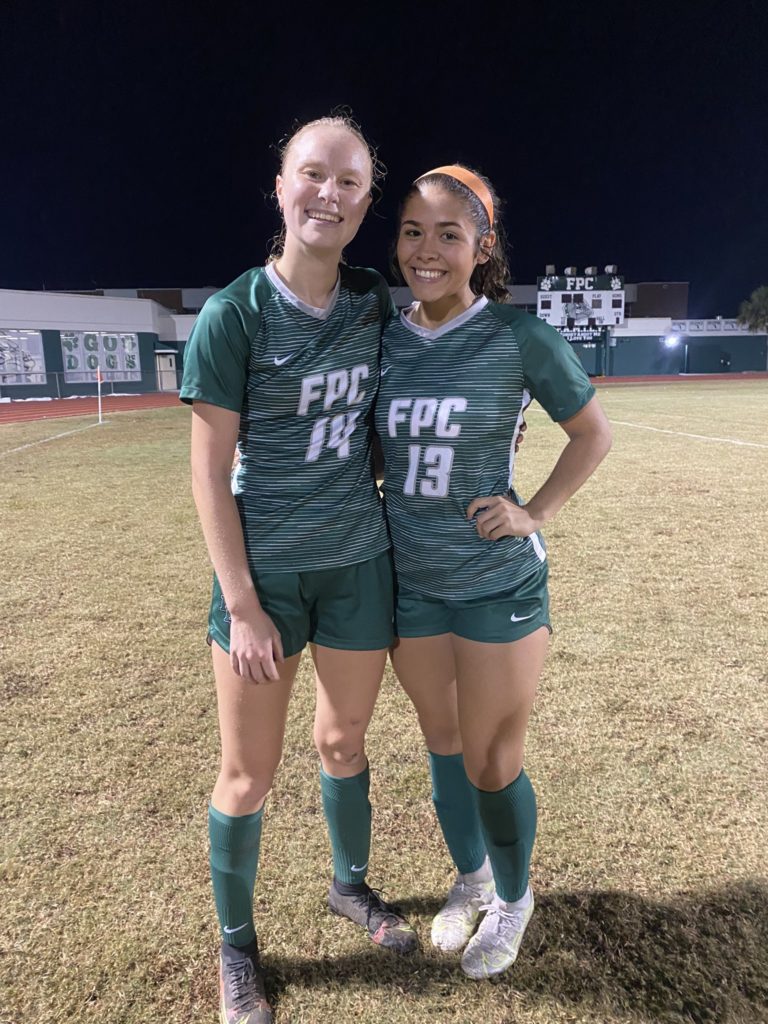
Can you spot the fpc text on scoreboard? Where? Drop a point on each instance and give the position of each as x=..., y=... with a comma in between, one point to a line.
x=573, y=283
x=565, y=283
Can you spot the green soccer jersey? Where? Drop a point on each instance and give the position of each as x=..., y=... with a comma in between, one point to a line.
x=448, y=413
x=303, y=381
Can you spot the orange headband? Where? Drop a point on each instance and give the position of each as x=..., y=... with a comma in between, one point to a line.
x=473, y=183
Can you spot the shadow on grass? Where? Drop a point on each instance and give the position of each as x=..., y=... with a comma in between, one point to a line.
x=695, y=958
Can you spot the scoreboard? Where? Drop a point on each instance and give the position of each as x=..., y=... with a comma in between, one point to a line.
x=581, y=306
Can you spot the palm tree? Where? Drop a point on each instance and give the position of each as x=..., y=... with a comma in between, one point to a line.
x=753, y=312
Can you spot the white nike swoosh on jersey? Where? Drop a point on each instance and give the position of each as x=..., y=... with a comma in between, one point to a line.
x=521, y=618
x=279, y=362
x=231, y=931
x=385, y=370
x=354, y=867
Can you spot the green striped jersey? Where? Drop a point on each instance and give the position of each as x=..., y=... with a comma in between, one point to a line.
x=303, y=381
x=448, y=413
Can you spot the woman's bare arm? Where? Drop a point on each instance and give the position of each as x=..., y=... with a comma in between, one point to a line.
x=254, y=641
x=589, y=441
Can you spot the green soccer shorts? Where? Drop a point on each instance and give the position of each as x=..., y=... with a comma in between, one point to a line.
x=492, y=619
x=348, y=608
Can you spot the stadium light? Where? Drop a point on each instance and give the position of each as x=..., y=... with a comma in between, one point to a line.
x=671, y=340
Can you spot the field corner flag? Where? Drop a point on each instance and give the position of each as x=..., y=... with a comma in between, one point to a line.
x=99, y=380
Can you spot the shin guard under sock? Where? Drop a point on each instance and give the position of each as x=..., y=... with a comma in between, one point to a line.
x=508, y=818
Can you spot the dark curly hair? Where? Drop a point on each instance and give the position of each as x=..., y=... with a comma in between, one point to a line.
x=340, y=117
x=492, y=277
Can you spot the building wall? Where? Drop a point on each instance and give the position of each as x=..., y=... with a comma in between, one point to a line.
x=643, y=356
x=176, y=327
x=634, y=349
x=727, y=354
x=57, y=387
x=175, y=300
x=647, y=356
x=51, y=313
x=59, y=310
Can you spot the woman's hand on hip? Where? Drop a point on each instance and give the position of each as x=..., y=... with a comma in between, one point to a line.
x=498, y=516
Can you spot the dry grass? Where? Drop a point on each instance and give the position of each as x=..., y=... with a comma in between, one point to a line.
x=647, y=747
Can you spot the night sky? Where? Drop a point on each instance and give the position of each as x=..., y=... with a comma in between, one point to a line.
x=138, y=143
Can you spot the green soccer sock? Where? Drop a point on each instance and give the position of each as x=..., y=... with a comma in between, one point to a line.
x=234, y=862
x=348, y=815
x=509, y=825
x=456, y=810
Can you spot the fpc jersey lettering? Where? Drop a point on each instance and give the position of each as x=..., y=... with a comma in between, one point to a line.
x=429, y=465
x=302, y=381
x=449, y=412
x=334, y=430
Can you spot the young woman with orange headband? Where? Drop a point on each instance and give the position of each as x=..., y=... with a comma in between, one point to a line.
x=472, y=615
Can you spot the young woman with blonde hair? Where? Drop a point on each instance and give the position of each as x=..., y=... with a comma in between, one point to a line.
x=283, y=365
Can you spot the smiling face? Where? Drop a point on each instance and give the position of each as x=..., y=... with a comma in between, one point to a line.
x=324, y=188
x=438, y=248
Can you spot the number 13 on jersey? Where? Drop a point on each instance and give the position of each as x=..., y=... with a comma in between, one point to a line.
x=437, y=462
x=430, y=465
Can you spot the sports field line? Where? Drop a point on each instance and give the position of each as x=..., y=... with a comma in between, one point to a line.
x=53, y=437
x=682, y=433
x=676, y=433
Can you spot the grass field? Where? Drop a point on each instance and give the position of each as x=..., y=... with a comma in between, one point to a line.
x=647, y=747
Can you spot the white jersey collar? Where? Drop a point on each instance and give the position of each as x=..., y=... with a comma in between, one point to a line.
x=424, y=332
x=318, y=312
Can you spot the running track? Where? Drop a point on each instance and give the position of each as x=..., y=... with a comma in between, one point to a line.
x=57, y=408
x=16, y=412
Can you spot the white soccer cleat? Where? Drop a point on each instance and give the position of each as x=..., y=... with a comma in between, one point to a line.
x=495, y=945
x=454, y=923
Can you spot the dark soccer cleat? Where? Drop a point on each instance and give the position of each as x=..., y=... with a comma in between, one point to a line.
x=384, y=923
x=241, y=982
